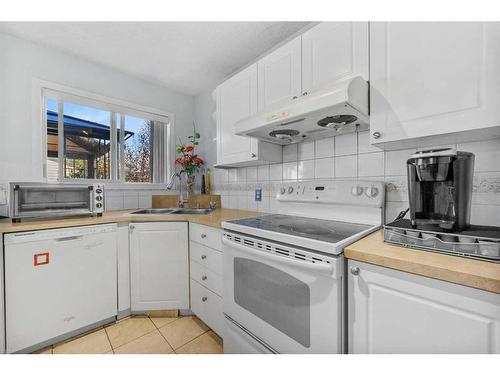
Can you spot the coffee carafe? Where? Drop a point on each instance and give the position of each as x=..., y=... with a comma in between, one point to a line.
x=440, y=188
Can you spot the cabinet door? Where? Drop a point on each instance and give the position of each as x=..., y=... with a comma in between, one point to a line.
x=236, y=99
x=280, y=75
x=159, y=274
x=332, y=52
x=398, y=312
x=433, y=78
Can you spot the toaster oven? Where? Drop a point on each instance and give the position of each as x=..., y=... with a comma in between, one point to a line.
x=39, y=200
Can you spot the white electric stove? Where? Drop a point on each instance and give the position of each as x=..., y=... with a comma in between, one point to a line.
x=284, y=273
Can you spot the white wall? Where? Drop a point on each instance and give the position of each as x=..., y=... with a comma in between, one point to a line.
x=22, y=61
x=20, y=142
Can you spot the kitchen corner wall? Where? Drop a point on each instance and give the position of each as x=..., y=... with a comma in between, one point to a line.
x=351, y=156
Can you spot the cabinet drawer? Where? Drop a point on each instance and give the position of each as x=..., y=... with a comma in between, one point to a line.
x=206, y=256
x=207, y=306
x=206, y=277
x=204, y=235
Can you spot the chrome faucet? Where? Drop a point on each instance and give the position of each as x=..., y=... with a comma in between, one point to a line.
x=170, y=185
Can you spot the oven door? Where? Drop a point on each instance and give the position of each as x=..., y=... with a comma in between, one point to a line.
x=283, y=296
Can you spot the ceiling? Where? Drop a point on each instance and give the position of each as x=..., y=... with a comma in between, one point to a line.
x=188, y=57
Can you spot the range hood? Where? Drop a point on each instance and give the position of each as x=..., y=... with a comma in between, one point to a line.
x=338, y=110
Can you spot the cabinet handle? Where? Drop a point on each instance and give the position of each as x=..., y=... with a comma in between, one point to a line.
x=355, y=271
x=305, y=93
x=376, y=135
x=132, y=227
x=203, y=257
x=203, y=277
x=295, y=97
x=204, y=299
x=253, y=155
x=203, y=235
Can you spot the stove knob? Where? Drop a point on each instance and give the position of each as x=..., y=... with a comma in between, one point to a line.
x=282, y=190
x=371, y=191
x=356, y=191
x=290, y=189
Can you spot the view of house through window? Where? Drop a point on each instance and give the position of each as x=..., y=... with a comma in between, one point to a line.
x=97, y=144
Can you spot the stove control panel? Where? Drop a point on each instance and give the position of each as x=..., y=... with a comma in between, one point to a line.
x=346, y=192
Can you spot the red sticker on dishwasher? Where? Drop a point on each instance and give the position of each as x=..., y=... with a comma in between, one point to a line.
x=41, y=259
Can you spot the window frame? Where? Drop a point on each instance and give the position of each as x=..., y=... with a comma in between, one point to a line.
x=118, y=109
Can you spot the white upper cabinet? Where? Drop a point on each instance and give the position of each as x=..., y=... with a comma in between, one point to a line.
x=333, y=51
x=434, y=78
x=396, y=312
x=237, y=99
x=280, y=75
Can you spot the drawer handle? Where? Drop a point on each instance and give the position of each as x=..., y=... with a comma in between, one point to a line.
x=203, y=257
x=203, y=277
x=204, y=299
x=203, y=235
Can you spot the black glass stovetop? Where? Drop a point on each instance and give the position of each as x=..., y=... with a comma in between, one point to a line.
x=316, y=229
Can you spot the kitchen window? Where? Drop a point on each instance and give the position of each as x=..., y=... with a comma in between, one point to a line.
x=92, y=140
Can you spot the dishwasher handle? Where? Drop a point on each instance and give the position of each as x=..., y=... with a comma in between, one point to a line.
x=317, y=267
x=69, y=238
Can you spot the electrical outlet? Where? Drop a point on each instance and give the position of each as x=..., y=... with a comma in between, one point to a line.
x=258, y=195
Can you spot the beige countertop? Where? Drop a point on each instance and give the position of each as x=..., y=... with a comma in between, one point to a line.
x=469, y=272
x=213, y=219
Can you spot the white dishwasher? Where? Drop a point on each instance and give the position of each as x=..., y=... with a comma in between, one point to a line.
x=58, y=281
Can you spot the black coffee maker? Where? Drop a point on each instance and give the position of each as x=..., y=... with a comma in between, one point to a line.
x=440, y=188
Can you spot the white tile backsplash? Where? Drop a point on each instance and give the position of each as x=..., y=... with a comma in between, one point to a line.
x=371, y=164
x=324, y=148
x=346, y=166
x=324, y=168
x=487, y=154
x=252, y=174
x=346, y=144
x=395, y=162
x=233, y=175
x=290, y=171
x=290, y=153
x=306, y=151
x=276, y=172
x=263, y=173
x=305, y=170
x=351, y=156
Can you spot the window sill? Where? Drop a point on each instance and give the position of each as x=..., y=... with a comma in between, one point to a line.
x=134, y=186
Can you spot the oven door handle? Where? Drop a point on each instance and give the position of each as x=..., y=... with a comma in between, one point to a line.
x=317, y=267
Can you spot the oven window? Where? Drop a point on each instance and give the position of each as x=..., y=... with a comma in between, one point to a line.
x=274, y=296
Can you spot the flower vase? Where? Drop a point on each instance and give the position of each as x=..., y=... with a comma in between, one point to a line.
x=190, y=184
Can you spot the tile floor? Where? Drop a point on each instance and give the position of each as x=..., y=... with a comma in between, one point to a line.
x=144, y=335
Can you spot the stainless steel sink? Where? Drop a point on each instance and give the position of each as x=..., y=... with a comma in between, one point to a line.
x=192, y=211
x=154, y=211
x=173, y=211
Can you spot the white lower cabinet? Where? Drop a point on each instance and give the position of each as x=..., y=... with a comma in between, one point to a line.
x=159, y=273
x=205, y=251
x=207, y=306
x=397, y=312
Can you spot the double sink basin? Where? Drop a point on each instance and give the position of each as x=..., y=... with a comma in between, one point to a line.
x=173, y=211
